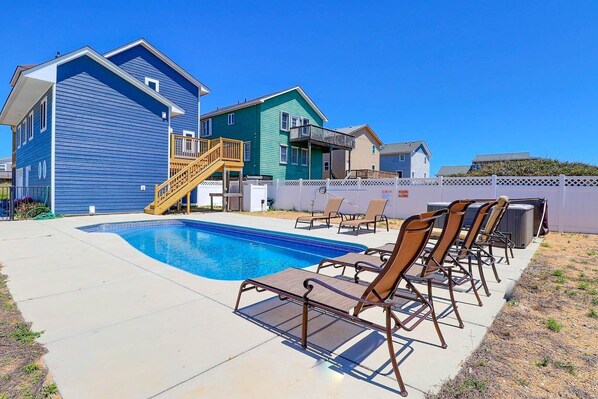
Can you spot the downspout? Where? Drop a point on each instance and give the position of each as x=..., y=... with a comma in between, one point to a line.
x=13, y=168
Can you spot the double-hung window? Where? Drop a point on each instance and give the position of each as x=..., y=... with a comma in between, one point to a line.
x=30, y=126
x=284, y=121
x=24, y=132
x=294, y=121
x=247, y=151
x=401, y=157
x=206, y=128
x=231, y=118
x=373, y=149
x=304, y=154
x=19, y=139
x=43, y=115
x=284, y=154
x=295, y=155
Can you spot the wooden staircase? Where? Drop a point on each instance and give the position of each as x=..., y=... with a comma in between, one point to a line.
x=218, y=155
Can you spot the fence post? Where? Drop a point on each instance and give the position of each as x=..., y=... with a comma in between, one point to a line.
x=11, y=205
x=300, y=194
x=358, y=190
x=395, y=195
x=276, y=191
x=440, y=187
x=327, y=185
x=494, y=186
x=562, y=204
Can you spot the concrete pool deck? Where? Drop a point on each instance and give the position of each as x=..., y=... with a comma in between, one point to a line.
x=119, y=324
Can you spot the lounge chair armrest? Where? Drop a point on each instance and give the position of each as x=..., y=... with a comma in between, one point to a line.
x=308, y=284
x=362, y=265
x=418, y=279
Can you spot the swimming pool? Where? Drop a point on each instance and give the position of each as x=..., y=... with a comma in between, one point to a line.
x=224, y=252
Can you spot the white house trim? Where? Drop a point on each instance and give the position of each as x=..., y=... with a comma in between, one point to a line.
x=203, y=89
x=53, y=153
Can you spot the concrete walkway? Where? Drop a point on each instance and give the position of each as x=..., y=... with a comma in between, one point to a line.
x=119, y=324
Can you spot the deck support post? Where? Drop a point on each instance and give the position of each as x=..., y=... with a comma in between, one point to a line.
x=309, y=159
x=224, y=189
x=241, y=190
x=189, y=203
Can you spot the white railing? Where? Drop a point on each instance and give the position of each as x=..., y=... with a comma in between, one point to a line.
x=572, y=200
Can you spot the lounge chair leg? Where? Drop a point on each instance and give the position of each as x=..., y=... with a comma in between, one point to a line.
x=304, y=326
x=241, y=290
x=453, y=302
x=475, y=290
x=393, y=356
x=434, y=319
x=387, y=224
x=481, y=271
x=493, y=264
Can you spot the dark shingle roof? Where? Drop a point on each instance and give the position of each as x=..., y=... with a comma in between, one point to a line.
x=404, y=147
x=508, y=156
x=453, y=170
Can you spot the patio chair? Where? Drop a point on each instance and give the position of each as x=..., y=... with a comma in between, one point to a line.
x=348, y=300
x=373, y=215
x=433, y=259
x=331, y=211
x=467, y=248
x=491, y=235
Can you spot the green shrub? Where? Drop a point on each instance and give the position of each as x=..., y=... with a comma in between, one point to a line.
x=553, y=325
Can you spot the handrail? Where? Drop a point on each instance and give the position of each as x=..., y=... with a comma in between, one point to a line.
x=322, y=135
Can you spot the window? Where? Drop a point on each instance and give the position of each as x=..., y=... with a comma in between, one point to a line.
x=247, y=151
x=401, y=157
x=231, y=119
x=373, y=149
x=425, y=160
x=43, y=115
x=24, y=132
x=326, y=166
x=19, y=139
x=284, y=121
x=412, y=174
x=284, y=154
x=305, y=121
x=425, y=175
x=153, y=83
x=206, y=128
x=304, y=155
x=295, y=155
x=294, y=121
x=30, y=126
x=400, y=173
x=373, y=167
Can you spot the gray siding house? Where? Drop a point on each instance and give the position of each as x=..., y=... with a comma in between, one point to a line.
x=408, y=159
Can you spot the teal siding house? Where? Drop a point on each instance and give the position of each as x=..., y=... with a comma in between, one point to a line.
x=283, y=134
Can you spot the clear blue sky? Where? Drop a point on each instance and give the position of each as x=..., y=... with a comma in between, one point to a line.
x=467, y=77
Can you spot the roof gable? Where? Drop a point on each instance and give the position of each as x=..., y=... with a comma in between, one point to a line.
x=203, y=89
x=352, y=130
x=405, y=147
x=33, y=82
x=262, y=99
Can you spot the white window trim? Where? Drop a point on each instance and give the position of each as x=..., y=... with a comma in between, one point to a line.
x=43, y=122
x=209, y=130
x=326, y=166
x=286, y=147
x=246, y=145
x=373, y=167
x=373, y=149
x=150, y=80
x=288, y=121
x=30, y=130
x=306, y=157
x=24, y=124
x=188, y=133
x=295, y=120
x=19, y=138
x=228, y=119
x=298, y=155
x=402, y=157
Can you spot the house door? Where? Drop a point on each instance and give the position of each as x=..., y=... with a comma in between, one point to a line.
x=27, y=170
x=19, y=182
x=188, y=146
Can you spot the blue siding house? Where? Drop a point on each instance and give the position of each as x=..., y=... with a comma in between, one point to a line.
x=96, y=128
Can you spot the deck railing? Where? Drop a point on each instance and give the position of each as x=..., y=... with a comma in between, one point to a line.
x=185, y=147
x=322, y=135
x=371, y=174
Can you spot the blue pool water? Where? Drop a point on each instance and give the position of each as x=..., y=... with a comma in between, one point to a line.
x=224, y=252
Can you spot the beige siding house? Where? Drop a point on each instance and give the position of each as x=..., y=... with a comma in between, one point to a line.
x=365, y=155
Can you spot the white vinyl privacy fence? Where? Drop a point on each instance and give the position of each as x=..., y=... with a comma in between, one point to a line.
x=572, y=200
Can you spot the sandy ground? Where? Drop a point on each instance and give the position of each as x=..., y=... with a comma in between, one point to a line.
x=544, y=343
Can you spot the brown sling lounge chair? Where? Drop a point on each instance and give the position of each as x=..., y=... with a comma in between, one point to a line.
x=490, y=234
x=433, y=260
x=331, y=211
x=348, y=300
x=373, y=215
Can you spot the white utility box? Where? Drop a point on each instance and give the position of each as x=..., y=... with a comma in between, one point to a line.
x=255, y=198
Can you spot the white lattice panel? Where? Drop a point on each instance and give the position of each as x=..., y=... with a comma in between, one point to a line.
x=529, y=181
x=467, y=181
x=581, y=181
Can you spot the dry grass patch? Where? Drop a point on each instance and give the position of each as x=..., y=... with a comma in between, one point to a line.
x=23, y=374
x=544, y=344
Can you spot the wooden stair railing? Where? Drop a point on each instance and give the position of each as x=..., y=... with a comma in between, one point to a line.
x=172, y=190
